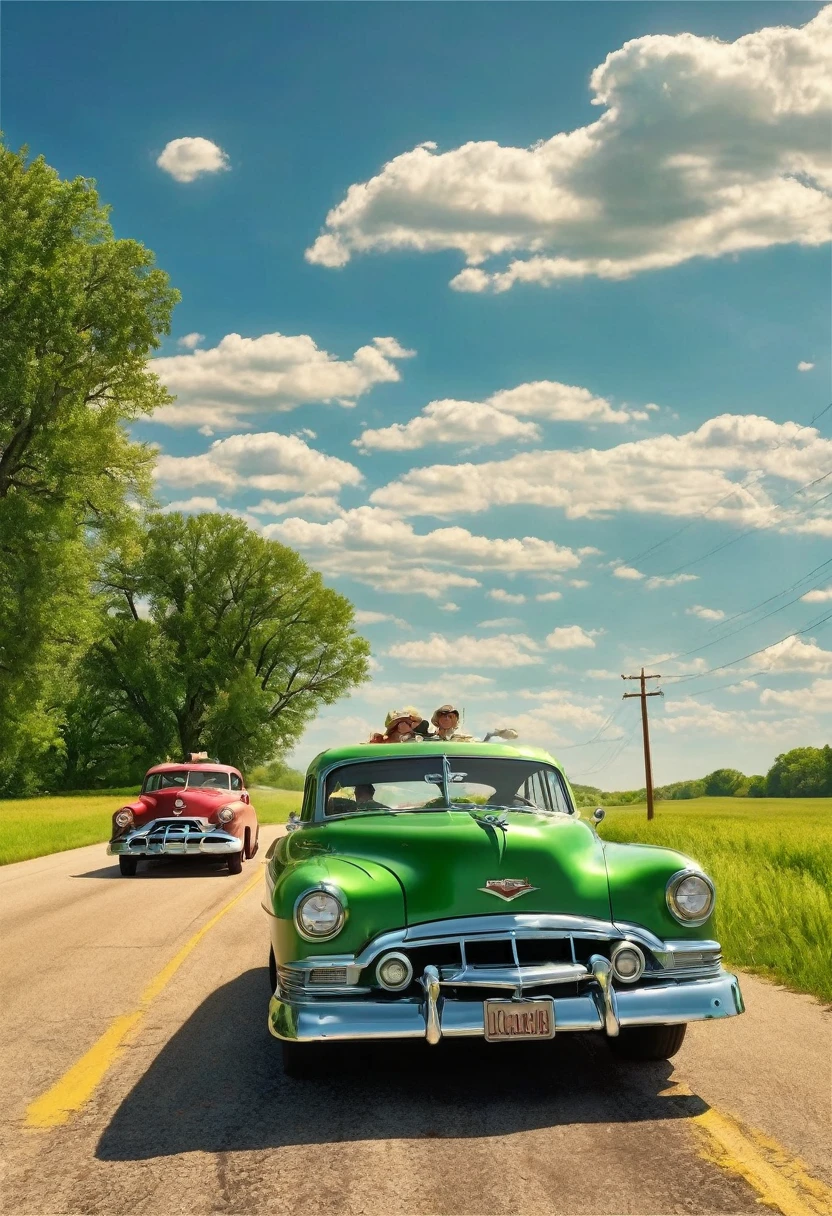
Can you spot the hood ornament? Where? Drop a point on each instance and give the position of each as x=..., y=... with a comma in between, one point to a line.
x=507, y=888
x=178, y=806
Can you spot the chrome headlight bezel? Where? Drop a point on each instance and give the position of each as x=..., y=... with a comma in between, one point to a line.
x=225, y=814
x=678, y=913
x=634, y=948
x=123, y=818
x=401, y=958
x=334, y=893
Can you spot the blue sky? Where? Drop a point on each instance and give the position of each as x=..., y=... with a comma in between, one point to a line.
x=544, y=270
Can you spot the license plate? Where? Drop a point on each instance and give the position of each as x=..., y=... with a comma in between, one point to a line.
x=506, y=1021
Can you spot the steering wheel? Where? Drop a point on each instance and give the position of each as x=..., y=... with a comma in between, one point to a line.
x=525, y=801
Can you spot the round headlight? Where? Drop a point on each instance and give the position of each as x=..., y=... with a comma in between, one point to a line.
x=225, y=815
x=627, y=962
x=319, y=914
x=690, y=897
x=394, y=972
x=124, y=817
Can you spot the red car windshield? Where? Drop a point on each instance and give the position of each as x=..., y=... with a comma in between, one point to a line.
x=185, y=778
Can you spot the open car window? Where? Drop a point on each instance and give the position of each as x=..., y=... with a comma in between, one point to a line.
x=417, y=784
x=211, y=781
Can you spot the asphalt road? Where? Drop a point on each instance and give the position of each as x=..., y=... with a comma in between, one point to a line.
x=137, y=1076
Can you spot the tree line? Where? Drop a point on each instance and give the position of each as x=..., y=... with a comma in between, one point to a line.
x=126, y=634
x=803, y=772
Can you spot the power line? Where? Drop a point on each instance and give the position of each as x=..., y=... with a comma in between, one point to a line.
x=734, y=488
x=794, y=633
x=763, y=603
x=733, y=540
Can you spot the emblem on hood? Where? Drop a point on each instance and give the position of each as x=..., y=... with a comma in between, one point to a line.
x=507, y=888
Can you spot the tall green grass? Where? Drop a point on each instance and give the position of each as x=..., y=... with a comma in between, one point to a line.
x=771, y=861
x=33, y=827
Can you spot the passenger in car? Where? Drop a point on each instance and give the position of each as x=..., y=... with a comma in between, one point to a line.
x=446, y=721
x=399, y=725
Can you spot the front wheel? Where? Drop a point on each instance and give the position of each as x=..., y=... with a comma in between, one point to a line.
x=128, y=865
x=648, y=1042
x=235, y=862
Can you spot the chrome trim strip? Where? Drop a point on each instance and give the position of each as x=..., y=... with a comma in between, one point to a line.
x=520, y=977
x=655, y=1005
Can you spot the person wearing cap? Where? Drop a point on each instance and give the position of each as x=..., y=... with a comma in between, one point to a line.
x=446, y=721
x=421, y=726
x=398, y=728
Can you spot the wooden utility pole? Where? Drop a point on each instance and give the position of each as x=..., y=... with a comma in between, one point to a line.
x=648, y=768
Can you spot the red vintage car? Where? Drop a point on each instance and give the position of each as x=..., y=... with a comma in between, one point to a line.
x=192, y=809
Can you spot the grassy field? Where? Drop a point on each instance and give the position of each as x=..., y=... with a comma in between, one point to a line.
x=32, y=827
x=771, y=860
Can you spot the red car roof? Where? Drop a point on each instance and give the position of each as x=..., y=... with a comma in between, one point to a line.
x=192, y=765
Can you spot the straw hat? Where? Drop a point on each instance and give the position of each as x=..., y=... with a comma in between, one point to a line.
x=444, y=709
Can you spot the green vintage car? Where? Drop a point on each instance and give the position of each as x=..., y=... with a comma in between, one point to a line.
x=444, y=890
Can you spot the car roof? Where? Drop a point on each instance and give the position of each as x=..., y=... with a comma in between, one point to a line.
x=387, y=751
x=192, y=766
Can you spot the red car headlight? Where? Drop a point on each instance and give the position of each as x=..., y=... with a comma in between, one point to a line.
x=124, y=817
x=226, y=814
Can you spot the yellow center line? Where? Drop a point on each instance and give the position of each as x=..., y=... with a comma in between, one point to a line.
x=781, y=1180
x=75, y=1088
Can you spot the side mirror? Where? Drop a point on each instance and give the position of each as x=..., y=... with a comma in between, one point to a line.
x=293, y=823
x=598, y=814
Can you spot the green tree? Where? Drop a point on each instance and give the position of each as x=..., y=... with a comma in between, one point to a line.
x=803, y=772
x=723, y=782
x=278, y=774
x=79, y=314
x=220, y=640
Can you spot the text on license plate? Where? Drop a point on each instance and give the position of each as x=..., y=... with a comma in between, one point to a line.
x=505, y=1020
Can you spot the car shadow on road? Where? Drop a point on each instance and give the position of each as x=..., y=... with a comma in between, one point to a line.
x=218, y=1086
x=163, y=867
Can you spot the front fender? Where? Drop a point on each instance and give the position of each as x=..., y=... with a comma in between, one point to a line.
x=373, y=897
x=638, y=875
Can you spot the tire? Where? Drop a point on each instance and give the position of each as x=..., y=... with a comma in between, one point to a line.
x=648, y=1042
x=235, y=862
x=306, y=1061
x=128, y=865
x=272, y=970
x=247, y=853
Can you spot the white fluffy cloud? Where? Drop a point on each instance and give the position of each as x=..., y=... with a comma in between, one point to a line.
x=190, y=341
x=627, y=572
x=670, y=581
x=818, y=596
x=500, y=622
x=373, y=546
x=323, y=505
x=803, y=366
x=496, y=419
x=263, y=461
x=548, y=597
x=188, y=158
x=363, y=617
x=704, y=148
x=795, y=654
x=499, y=650
x=817, y=698
x=680, y=476
x=689, y=717
x=225, y=384
x=571, y=637
x=506, y=597
x=705, y=614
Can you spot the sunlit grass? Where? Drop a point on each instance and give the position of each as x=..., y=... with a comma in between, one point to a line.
x=771, y=860
x=32, y=827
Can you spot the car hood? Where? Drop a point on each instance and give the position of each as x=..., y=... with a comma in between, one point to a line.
x=444, y=861
x=202, y=803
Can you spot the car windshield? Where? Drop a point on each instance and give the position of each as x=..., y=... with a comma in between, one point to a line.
x=424, y=783
x=182, y=778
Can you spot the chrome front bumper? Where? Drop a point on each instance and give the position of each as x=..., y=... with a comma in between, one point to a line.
x=602, y=1006
x=175, y=838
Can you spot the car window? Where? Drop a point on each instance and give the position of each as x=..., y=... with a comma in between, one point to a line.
x=416, y=784
x=236, y=782
x=211, y=781
x=557, y=792
x=177, y=779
